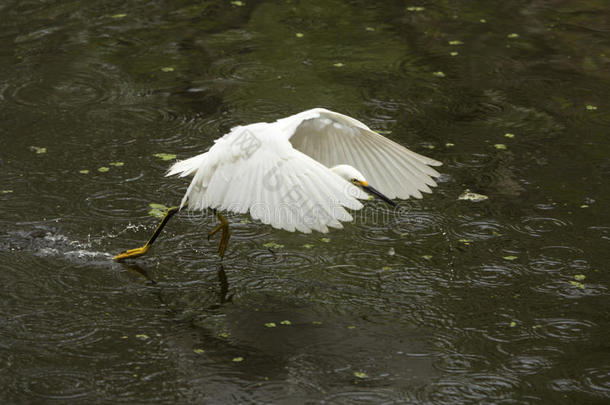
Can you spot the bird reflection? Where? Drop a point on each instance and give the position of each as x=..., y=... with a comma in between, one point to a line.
x=137, y=269
x=224, y=286
x=223, y=281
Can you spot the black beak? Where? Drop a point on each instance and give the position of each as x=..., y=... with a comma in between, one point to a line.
x=376, y=193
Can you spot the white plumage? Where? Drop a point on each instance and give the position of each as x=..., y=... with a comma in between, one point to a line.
x=282, y=172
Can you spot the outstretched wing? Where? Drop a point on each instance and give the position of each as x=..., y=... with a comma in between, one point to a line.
x=332, y=139
x=271, y=180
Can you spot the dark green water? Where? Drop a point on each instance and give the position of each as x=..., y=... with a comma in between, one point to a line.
x=499, y=301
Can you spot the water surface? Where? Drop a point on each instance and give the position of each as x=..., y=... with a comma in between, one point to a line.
x=446, y=301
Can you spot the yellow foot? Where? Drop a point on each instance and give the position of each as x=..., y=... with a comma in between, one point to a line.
x=224, y=241
x=131, y=253
x=225, y=234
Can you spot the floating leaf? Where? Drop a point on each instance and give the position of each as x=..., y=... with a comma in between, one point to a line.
x=238, y=3
x=308, y=246
x=142, y=336
x=509, y=135
x=270, y=324
x=165, y=156
x=299, y=35
x=84, y=171
x=338, y=64
x=500, y=146
x=167, y=69
x=245, y=221
x=117, y=164
x=325, y=240
x=158, y=210
x=513, y=35
x=584, y=206
x=316, y=322
x=386, y=268
x=449, y=144
x=351, y=327
x=360, y=374
x=456, y=42
x=103, y=169
x=466, y=241
x=415, y=8
x=453, y=53
x=223, y=335
x=513, y=324
x=591, y=107
x=470, y=196
x=577, y=284
x=482, y=21
x=121, y=15
x=39, y=150
x=238, y=359
x=199, y=351
x=370, y=29
x=273, y=245
x=579, y=277
x=286, y=322
x=427, y=257
x=510, y=258
x=438, y=74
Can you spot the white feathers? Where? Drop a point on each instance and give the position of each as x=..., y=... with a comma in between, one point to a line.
x=334, y=139
x=268, y=170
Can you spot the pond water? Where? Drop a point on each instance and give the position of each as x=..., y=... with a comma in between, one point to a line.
x=447, y=301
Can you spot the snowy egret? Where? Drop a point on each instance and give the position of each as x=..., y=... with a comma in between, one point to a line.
x=297, y=173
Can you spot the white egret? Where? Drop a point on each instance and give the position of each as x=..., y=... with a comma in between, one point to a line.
x=298, y=173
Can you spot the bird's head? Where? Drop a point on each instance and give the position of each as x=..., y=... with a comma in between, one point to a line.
x=352, y=175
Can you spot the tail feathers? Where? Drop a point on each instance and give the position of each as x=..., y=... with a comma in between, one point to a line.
x=187, y=167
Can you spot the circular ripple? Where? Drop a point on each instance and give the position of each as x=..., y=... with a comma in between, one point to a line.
x=540, y=226
x=240, y=71
x=459, y=363
x=54, y=327
x=377, y=396
x=418, y=222
x=491, y=275
x=476, y=387
x=478, y=230
x=281, y=259
x=528, y=365
x=367, y=265
x=58, y=385
x=546, y=265
x=598, y=380
x=566, y=330
x=111, y=203
x=71, y=89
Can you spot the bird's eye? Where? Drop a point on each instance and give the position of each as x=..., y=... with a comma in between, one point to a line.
x=354, y=181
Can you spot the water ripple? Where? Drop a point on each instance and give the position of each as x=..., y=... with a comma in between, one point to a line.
x=598, y=380
x=96, y=84
x=474, y=387
x=528, y=365
x=540, y=226
x=281, y=259
x=564, y=329
x=58, y=385
x=478, y=230
x=460, y=363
